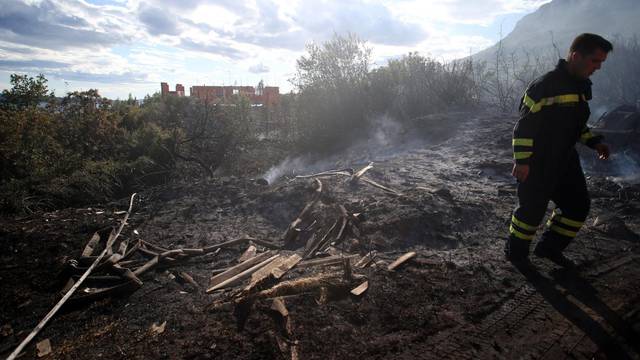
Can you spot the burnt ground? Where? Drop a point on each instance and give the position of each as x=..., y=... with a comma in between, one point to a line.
x=458, y=298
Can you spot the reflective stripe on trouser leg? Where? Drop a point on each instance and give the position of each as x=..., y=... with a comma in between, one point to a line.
x=521, y=229
x=563, y=225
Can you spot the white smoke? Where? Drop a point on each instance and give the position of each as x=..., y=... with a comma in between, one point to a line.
x=387, y=138
x=288, y=166
x=386, y=131
x=626, y=169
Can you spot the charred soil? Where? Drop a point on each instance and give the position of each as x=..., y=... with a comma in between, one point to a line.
x=448, y=199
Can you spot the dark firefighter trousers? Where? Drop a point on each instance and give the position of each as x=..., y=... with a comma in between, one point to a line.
x=572, y=201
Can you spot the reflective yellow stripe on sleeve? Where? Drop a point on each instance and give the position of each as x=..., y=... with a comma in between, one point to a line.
x=522, y=155
x=560, y=99
x=522, y=142
x=585, y=137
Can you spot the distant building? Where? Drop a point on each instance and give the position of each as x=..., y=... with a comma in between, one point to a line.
x=164, y=90
x=263, y=95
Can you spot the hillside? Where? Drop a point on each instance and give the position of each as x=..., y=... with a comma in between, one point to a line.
x=560, y=21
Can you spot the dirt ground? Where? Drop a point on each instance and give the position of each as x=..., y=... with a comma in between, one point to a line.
x=457, y=298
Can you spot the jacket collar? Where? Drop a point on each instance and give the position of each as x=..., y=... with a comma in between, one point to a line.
x=583, y=85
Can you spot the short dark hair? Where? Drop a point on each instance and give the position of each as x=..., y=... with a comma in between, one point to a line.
x=586, y=44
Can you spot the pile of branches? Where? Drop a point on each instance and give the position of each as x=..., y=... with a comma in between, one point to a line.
x=260, y=275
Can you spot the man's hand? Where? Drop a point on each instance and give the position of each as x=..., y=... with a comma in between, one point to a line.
x=603, y=151
x=520, y=172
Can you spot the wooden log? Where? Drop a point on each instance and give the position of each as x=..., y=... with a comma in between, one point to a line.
x=315, y=245
x=360, y=289
x=122, y=249
x=66, y=297
x=402, y=259
x=287, y=265
x=266, y=244
x=193, y=252
x=109, y=245
x=171, y=254
x=241, y=275
x=292, y=231
x=218, y=271
x=366, y=260
x=113, y=259
x=238, y=241
x=188, y=278
x=299, y=286
x=148, y=266
x=131, y=251
x=346, y=266
x=381, y=187
x=361, y=172
x=328, y=261
x=91, y=245
x=341, y=233
x=263, y=275
x=126, y=274
x=154, y=247
x=278, y=306
x=130, y=263
x=248, y=254
x=148, y=252
x=271, y=273
x=235, y=270
x=346, y=172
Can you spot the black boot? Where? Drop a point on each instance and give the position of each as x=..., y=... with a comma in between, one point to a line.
x=551, y=247
x=516, y=250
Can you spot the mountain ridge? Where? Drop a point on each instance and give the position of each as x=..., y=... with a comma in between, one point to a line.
x=560, y=21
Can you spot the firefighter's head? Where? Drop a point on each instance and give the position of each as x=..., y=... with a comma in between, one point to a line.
x=586, y=54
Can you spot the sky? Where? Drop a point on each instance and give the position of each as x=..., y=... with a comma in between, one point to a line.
x=124, y=47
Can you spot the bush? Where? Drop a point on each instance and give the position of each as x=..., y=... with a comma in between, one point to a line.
x=85, y=148
x=331, y=104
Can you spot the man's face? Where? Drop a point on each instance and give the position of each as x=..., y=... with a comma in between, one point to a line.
x=585, y=66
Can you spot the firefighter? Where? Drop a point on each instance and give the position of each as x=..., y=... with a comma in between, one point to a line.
x=553, y=117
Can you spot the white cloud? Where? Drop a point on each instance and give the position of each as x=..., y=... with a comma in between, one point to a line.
x=138, y=41
x=459, y=11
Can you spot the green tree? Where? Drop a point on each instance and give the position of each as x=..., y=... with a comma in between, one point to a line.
x=25, y=91
x=331, y=80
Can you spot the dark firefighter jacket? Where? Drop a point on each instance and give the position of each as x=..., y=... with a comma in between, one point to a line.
x=553, y=117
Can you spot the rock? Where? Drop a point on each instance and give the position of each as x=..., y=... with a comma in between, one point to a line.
x=158, y=329
x=44, y=348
